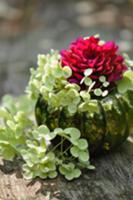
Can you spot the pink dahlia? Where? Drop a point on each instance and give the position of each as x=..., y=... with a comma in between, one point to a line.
x=102, y=58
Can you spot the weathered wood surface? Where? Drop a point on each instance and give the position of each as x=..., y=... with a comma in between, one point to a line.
x=112, y=180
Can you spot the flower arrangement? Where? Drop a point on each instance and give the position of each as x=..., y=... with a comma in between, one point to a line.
x=83, y=100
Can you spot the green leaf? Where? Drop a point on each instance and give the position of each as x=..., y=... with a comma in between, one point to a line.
x=11, y=125
x=43, y=129
x=69, y=176
x=62, y=170
x=7, y=99
x=29, y=163
x=83, y=156
x=82, y=144
x=87, y=81
x=43, y=133
x=72, y=93
x=102, y=79
x=49, y=83
x=76, y=101
x=57, y=72
x=42, y=175
x=72, y=108
x=70, y=166
x=129, y=74
x=29, y=175
x=58, y=131
x=51, y=156
x=73, y=132
x=19, y=134
x=85, y=95
x=31, y=144
x=98, y=92
x=88, y=72
x=106, y=84
x=91, y=167
x=67, y=71
x=72, y=86
x=124, y=85
x=52, y=174
x=90, y=106
x=4, y=142
x=74, y=142
x=8, y=103
x=51, y=166
x=128, y=61
x=74, y=151
x=76, y=173
x=4, y=114
x=41, y=59
x=8, y=153
x=83, y=107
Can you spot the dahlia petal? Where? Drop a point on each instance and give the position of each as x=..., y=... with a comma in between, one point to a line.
x=78, y=76
x=87, y=53
x=110, y=45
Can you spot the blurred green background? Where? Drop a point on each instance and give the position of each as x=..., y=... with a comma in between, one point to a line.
x=29, y=27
